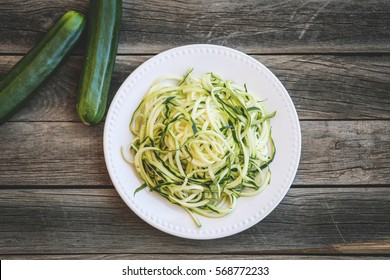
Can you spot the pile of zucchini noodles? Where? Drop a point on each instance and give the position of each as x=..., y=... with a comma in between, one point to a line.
x=201, y=142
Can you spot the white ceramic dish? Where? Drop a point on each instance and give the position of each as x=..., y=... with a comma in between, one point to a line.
x=230, y=64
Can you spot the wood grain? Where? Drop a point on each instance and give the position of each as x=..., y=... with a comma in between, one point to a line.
x=321, y=86
x=350, y=152
x=52, y=153
x=267, y=26
x=64, y=153
x=203, y=257
x=309, y=221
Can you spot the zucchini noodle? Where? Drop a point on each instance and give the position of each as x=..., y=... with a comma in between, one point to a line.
x=201, y=142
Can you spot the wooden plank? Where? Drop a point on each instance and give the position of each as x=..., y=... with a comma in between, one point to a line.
x=335, y=87
x=309, y=221
x=52, y=153
x=268, y=26
x=324, y=87
x=202, y=256
x=58, y=153
x=350, y=152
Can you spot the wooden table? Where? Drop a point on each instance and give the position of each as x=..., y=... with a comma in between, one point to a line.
x=57, y=200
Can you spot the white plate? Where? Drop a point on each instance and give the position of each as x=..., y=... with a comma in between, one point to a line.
x=230, y=64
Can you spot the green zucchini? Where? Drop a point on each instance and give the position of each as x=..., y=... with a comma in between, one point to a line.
x=37, y=65
x=103, y=26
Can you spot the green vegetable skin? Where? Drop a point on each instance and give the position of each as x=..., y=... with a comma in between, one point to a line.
x=37, y=65
x=104, y=21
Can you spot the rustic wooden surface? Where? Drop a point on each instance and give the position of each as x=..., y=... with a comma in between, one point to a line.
x=57, y=200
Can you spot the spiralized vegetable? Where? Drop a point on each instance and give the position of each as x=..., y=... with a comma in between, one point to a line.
x=201, y=142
